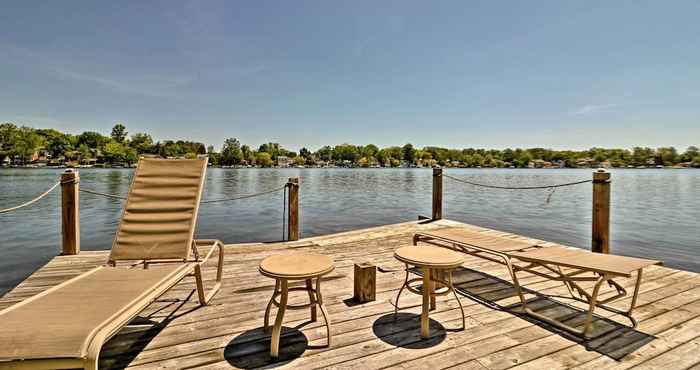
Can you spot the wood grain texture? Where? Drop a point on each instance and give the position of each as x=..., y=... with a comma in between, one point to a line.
x=293, y=209
x=70, y=212
x=437, y=193
x=365, y=282
x=228, y=334
x=600, y=239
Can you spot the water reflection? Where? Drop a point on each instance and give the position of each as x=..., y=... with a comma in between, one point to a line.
x=654, y=213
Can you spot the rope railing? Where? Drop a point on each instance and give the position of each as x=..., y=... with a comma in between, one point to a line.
x=516, y=187
x=26, y=204
x=93, y=192
x=245, y=196
x=113, y=196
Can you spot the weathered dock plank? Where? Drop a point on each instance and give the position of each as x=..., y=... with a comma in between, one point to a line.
x=227, y=333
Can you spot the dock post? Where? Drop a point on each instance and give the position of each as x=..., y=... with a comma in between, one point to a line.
x=293, y=209
x=437, y=193
x=365, y=282
x=600, y=242
x=70, y=211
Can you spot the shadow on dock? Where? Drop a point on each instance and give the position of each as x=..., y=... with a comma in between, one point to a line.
x=251, y=349
x=123, y=348
x=609, y=337
x=403, y=331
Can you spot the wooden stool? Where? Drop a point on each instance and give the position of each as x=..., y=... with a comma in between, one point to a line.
x=436, y=262
x=295, y=266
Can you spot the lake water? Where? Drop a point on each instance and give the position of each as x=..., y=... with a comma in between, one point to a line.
x=655, y=213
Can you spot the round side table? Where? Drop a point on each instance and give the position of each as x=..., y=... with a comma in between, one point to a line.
x=435, y=262
x=295, y=266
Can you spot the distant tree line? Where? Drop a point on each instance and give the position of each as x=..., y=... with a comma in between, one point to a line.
x=26, y=145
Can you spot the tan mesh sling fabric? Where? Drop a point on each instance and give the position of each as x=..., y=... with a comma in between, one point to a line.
x=59, y=324
x=160, y=214
x=65, y=326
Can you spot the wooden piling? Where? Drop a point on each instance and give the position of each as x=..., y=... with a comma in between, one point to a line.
x=437, y=193
x=70, y=212
x=365, y=282
x=293, y=209
x=600, y=242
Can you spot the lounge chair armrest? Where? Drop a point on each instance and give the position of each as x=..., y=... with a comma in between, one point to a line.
x=205, y=242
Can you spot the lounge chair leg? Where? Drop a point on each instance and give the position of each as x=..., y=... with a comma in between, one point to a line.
x=204, y=297
x=633, y=304
x=452, y=288
x=312, y=299
x=266, y=323
x=200, y=284
x=518, y=288
x=319, y=301
x=592, y=305
x=396, y=306
x=277, y=329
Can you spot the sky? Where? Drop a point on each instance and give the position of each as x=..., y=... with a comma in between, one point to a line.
x=490, y=74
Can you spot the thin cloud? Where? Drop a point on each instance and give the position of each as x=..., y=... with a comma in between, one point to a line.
x=593, y=108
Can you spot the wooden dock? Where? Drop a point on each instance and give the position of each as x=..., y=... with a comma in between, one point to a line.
x=228, y=334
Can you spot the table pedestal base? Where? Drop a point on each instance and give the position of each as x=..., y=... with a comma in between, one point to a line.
x=282, y=290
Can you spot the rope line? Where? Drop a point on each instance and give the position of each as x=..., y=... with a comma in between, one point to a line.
x=31, y=201
x=204, y=201
x=103, y=194
x=516, y=187
x=245, y=196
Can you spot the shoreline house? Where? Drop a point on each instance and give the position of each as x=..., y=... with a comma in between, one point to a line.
x=283, y=161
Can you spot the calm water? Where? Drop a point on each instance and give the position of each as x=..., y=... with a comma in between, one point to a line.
x=655, y=213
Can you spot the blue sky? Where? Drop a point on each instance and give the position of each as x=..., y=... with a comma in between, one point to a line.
x=495, y=74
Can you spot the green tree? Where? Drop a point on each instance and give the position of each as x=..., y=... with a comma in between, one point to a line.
x=345, y=152
x=408, y=153
x=273, y=149
x=94, y=140
x=114, y=152
x=245, y=151
x=84, y=153
x=55, y=142
x=27, y=142
x=119, y=133
x=214, y=157
x=8, y=134
x=691, y=153
x=666, y=156
x=264, y=159
x=231, y=153
x=142, y=142
x=299, y=160
x=325, y=153
x=131, y=156
x=696, y=162
x=640, y=155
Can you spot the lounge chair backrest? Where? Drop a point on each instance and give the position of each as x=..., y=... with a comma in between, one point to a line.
x=161, y=210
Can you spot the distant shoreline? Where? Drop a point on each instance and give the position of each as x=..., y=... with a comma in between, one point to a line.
x=360, y=168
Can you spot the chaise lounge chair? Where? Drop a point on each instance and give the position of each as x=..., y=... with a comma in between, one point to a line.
x=549, y=262
x=65, y=326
